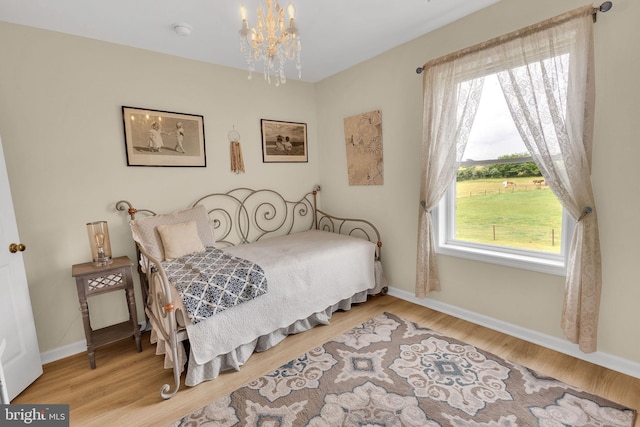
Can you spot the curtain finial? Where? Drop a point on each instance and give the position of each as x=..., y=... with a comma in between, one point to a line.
x=604, y=7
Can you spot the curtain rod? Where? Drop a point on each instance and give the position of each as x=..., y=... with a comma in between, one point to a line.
x=604, y=7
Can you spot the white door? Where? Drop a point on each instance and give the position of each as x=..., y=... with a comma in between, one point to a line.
x=21, y=358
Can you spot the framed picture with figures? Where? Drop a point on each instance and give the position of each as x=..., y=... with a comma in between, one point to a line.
x=163, y=138
x=284, y=142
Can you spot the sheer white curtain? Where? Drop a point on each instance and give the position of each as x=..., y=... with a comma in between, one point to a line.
x=546, y=72
x=552, y=102
x=450, y=107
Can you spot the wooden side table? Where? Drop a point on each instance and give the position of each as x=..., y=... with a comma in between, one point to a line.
x=92, y=280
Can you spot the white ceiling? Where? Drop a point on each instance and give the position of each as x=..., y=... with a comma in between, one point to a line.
x=335, y=34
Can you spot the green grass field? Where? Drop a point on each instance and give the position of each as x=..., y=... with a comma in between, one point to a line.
x=521, y=216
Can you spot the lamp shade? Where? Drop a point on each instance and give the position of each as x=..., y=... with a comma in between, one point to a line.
x=99, y=242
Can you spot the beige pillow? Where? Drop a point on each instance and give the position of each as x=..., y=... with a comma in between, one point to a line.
x=144, y=230
x=180, y=239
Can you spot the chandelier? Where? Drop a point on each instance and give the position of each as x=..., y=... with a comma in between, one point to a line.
x=271, y=41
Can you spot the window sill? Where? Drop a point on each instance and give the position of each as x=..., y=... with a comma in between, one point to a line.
x=554, y=265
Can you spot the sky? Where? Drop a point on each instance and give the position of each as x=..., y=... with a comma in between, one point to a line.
x=494, y=133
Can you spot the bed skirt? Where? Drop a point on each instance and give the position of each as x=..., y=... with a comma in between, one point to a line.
x=197, y=373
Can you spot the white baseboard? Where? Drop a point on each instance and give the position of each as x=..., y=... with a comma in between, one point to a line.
x=71, y=349
x=62, y=352
x=606, y=360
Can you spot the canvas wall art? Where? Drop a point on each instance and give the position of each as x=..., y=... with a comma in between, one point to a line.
x=363, y=137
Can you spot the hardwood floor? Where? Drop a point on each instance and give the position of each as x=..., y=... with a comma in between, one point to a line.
x=124, y=388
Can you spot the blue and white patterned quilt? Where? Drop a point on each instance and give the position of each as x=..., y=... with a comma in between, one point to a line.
x=212, y=281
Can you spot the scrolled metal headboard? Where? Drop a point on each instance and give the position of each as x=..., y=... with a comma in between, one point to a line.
x=244, y=215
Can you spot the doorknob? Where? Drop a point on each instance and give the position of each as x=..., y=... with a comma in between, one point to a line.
x=15, y=247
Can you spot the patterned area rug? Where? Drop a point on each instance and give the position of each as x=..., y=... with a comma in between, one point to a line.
x=392, y=372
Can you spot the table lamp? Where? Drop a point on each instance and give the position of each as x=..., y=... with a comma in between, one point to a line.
x=100, y=244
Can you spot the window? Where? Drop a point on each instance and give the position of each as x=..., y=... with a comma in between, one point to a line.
x=499, y=209
x=534, y=66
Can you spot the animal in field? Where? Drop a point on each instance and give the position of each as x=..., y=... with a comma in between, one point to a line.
x=538, y=181
x=506, y=184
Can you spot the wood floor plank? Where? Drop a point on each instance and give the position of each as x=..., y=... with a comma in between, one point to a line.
x=124, y=388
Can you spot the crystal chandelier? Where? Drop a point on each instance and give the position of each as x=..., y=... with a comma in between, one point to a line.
x=271, y=41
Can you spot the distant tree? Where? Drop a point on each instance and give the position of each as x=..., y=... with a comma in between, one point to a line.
x=514, y=156
x=500, y=170
x=494, y=173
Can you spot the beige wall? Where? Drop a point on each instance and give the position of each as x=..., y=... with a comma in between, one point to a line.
x=60, y=120
x=61, y=128
x=522, y=298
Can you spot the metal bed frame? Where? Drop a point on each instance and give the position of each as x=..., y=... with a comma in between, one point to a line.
x=238, y=216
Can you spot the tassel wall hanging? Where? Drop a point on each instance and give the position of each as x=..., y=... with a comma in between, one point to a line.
x=237, y=164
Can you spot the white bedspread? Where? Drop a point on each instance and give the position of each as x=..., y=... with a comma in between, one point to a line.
x=307, y=272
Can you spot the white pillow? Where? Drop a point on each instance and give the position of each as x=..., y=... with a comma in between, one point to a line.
x=180, y=239
x=145, y=233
